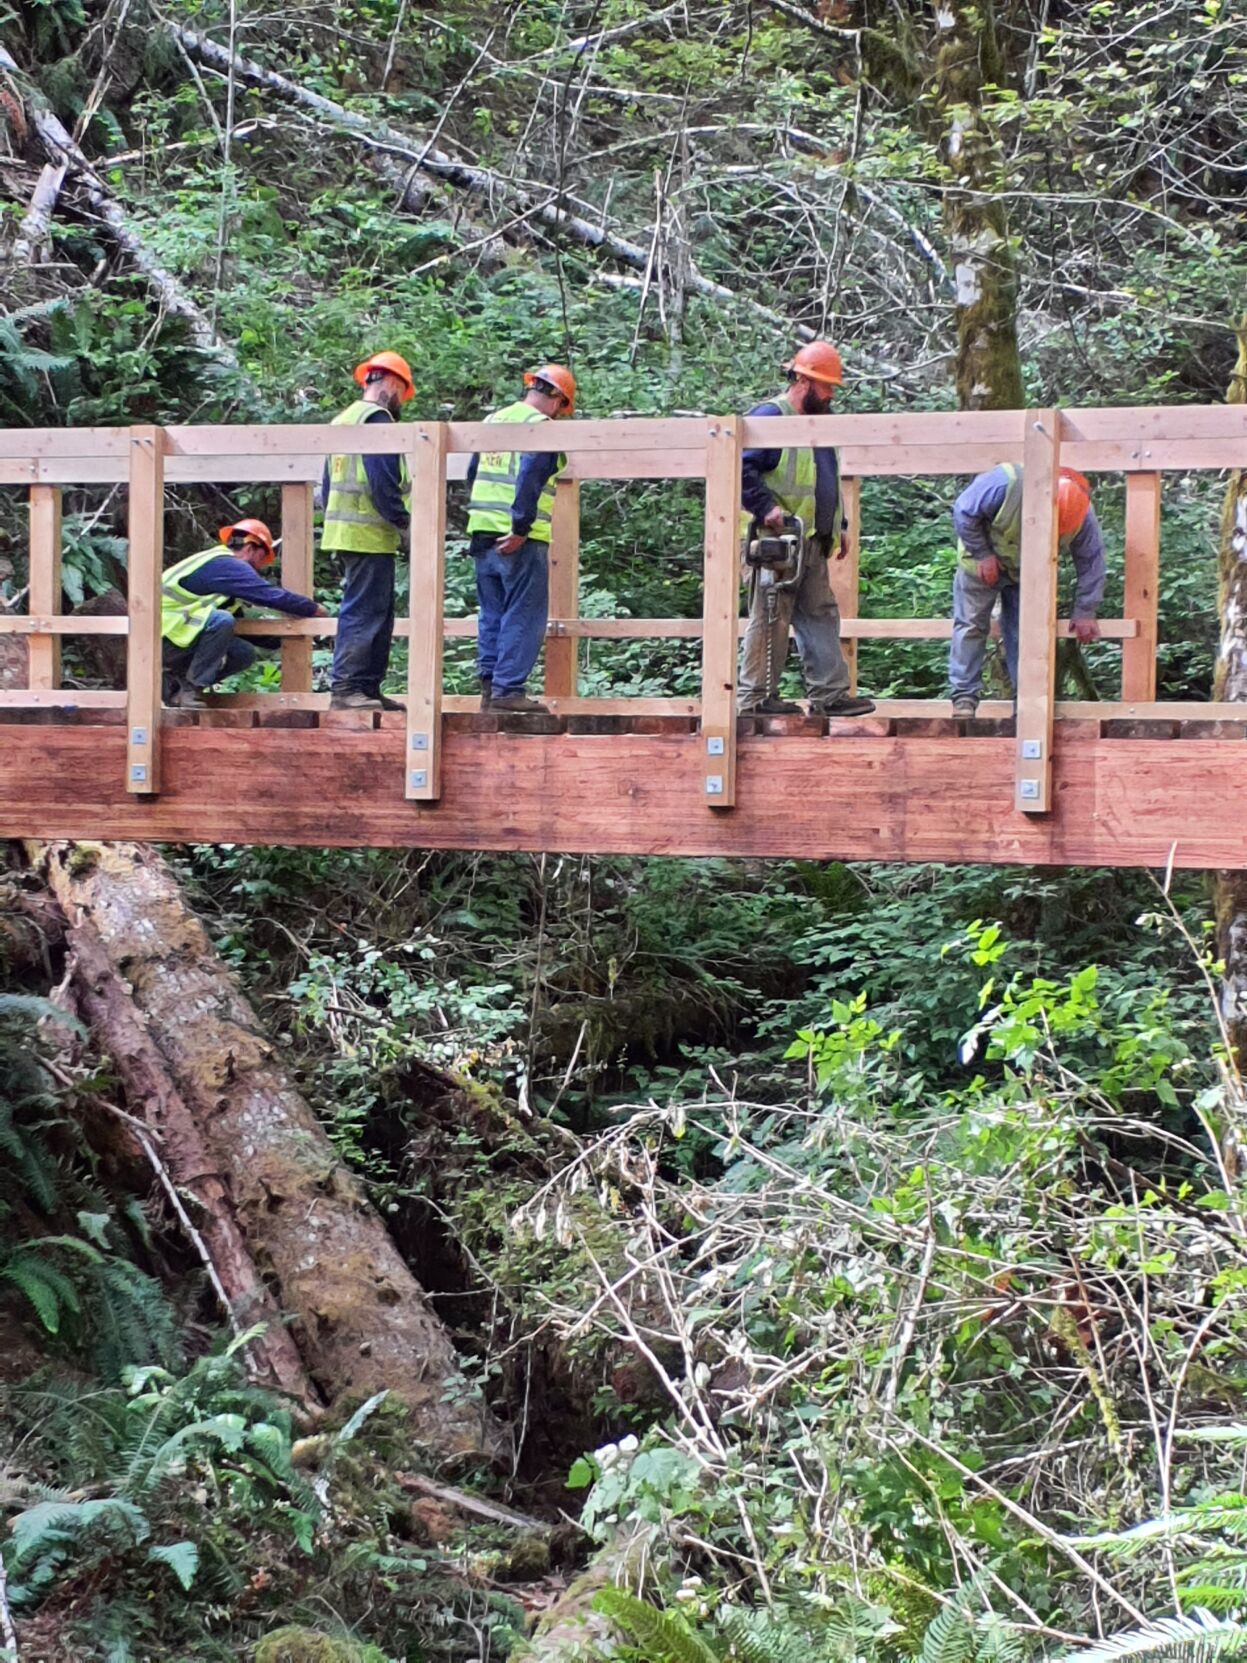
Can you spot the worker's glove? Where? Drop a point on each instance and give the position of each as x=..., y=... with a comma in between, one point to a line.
x=1085, y=629
x=989, y=570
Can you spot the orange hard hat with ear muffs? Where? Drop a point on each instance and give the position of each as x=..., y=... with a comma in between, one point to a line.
x=251, y=528
x=393, y=364
x=817, y=361
x=557, y=376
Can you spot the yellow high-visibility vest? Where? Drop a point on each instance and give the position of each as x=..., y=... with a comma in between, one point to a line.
x=497, y=476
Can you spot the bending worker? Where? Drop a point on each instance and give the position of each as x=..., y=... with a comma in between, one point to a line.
x=199, y=598
x=366, y=518
x=510, y=511
x=806, y=483
x=987, y=517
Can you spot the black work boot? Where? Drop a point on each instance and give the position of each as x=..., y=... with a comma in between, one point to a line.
x=848, y=704
x=519, y=702
x=964, y=704
x=774, y=706
x=487, y=694
x=388, y=703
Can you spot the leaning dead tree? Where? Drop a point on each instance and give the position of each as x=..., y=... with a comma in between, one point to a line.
x=63, y=154
x=1231, y=683
x=188, y=1047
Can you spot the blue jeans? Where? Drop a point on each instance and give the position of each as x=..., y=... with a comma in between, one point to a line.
x=513, y=593
x=973, y=601
x=216, y=652
x=361, y=653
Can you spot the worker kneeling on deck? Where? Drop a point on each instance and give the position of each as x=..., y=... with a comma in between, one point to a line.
x=987, y=517
x=366, y=519
x=510, y=514
x=792, y=524
x=199, y=599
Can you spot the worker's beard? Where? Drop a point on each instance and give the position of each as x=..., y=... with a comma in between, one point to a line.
x=815, y=406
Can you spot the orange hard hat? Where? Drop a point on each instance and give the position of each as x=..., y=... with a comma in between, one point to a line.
x=395, y=364
x=818, y=361
x=1073, y=499
x=559, y=376
x=250, y=528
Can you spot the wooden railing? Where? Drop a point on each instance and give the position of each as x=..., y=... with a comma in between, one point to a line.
x=1140, y=443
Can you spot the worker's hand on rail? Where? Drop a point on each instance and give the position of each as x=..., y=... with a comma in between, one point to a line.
x=321, y=612
x=842, y=553
x=1086, y=629
x=510, y=543
x=989, y=570
x=773, y=519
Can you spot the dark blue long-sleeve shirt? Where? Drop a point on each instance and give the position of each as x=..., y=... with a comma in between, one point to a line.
x=756, y=496
x=980, y=502
x=385, y=481
x=537, y=468
x=226, y=575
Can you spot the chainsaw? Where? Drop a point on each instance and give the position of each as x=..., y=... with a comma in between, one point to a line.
x=779, y=558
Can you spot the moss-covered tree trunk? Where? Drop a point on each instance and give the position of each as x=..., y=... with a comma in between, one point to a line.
x=1230, y=888
x=362, y=1322
x=967, y=59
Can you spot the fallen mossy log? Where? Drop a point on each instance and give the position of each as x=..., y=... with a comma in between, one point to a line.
x=362, y=1322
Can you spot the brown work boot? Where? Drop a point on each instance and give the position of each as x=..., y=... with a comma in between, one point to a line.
x=487, y=694
x=353, y=701
x=519, y=702
x=189, y=698
x=387, y=703
x=965, y=704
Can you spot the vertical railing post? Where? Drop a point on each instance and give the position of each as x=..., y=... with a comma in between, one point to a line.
x=45, y=582
x=721, y=614
x=296, y=574
x=1142, y=588
x=561, y=650
x=845, y=574
x=422, y=771
x=147, y=539
x=1036, y=683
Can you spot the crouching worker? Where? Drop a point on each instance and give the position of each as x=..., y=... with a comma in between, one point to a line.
x=987, y=518
x=199, y=599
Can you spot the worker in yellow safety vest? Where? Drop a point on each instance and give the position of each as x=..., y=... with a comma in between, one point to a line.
x=367, y=515
x=987, y=518
x=199, y=599
x=510, y=511
x=800, y=481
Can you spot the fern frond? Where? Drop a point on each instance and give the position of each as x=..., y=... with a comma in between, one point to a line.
x=1197, y=1638
x=662, y=1636
x=949, y=1637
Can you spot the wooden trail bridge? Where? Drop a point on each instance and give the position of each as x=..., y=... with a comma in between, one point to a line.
x=1132, y=782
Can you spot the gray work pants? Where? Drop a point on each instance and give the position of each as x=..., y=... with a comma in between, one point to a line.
x=812, y=611
x=973, y=601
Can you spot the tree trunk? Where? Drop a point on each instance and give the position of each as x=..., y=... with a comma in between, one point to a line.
x=363, y=1323
x=1230, y=888
x=967, y=57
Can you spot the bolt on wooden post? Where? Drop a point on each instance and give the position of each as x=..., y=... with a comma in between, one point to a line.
x=143, y=671
x=560, y=677
x=1036, y=681
x=721, y=613
x=423, y=757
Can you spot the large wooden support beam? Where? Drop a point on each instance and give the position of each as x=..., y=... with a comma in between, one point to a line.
x=845, y=574
x=1036, y=688
x=296, y=574
x=45, y=581
x=147, y=541
x=423, y=776
x=721, y=611
x=564, y=589
x=1142, y=589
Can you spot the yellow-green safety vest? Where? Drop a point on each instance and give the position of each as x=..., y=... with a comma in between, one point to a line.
x=793, y=482
x=183, y=614
x=497, y=475
x=352, y=523
x=1006, y=529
